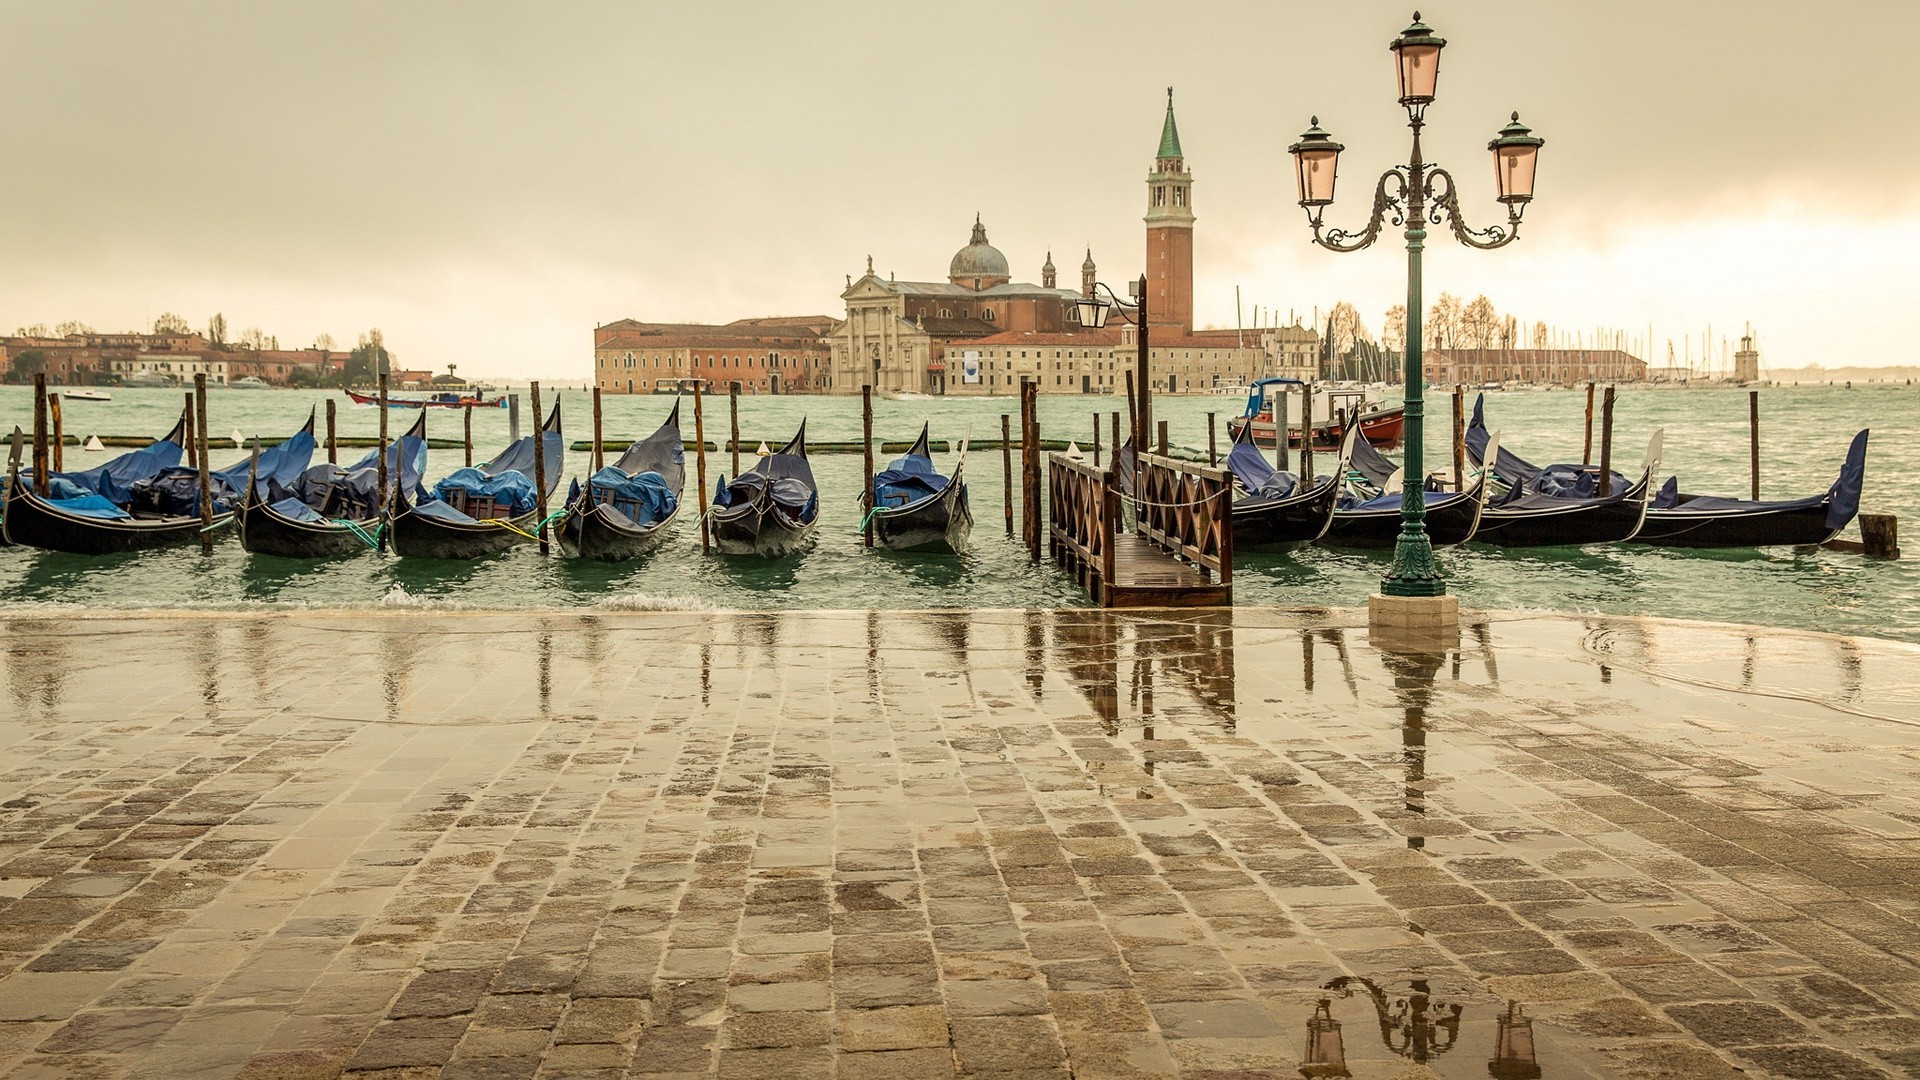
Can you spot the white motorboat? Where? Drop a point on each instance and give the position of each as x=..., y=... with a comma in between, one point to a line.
x=80, y=394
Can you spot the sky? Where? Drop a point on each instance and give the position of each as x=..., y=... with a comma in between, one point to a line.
x=486, y=182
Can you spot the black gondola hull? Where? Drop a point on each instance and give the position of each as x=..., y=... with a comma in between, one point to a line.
x=1798, y=527
x=940, y=524
x=597, y=532
x=1610, y=522
x=416, y=537
x=263, y=532
x=31, y=522
x=1298, y=520
x=1453, y=521
x=770, y=533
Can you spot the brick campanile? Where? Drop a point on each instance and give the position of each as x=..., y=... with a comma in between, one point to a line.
x=1170, y=232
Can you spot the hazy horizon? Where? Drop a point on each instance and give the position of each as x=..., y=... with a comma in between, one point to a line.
x=486, y=182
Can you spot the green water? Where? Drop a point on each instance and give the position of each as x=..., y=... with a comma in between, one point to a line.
x=1804, y=430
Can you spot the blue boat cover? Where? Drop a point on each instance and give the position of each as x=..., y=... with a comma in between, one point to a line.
x=645, y=498
x=1257, y=394
x=909, y=479
x=783, y=477
x=1392, y=502
x=353, y=492
x=439, y=511
x=1526, y=478
x=175, y=491
x=1845, y=494
x=512, y=489
x=114, y=481
x=1371, y=463
x=519, y=458
x=295, y=510
x=90, y=505
x=1261, y=480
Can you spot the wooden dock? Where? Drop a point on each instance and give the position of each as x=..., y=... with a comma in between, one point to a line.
x=1180, y=552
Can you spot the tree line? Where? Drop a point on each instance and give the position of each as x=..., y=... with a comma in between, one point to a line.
x=364, y=363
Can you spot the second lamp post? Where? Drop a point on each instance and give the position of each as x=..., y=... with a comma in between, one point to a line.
x=1413, y=195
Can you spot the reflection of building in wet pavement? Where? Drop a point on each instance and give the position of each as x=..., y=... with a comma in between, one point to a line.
x=918, y=843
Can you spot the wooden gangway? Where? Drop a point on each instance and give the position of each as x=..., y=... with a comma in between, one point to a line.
x=1179, y=552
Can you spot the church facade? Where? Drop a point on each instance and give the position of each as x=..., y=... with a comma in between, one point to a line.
x=980, y=333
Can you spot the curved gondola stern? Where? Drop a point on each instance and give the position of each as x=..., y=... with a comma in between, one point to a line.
x=920, y=445
x=1845, y=493
x=798, y=444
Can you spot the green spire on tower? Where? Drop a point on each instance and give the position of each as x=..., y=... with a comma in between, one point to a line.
x=1169, y=135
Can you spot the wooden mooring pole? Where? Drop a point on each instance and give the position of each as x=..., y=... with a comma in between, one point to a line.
x=466, y=434
x=1116, y=436
x=206, y=475
x=1586, y=450
x=1306, y=434
x=539, y=466
x=1460, y=438
x=193, y=443
x=733, y=407
x=1006, y=465
x=866, y=450
x=380, y=470
x=40, y=463
x=599, y=453
x=1606, y=444
x=1753, y=440
x=1096, y=440
x=333, y=437
x=1213, y=439
x=700, y=461
x=1161, y=440
x=59, y=433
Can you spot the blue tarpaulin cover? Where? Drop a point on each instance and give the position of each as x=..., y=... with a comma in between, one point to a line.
x=1525, y=478
x=909, y=479
x=295, y=510
x=353, y=492
x=512, y=489
x=114, y=481
x=175, y=491
x=90, y=505
x=1261, y=480
x=645, y=498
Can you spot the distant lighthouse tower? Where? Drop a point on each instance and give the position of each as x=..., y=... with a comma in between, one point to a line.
x=1746, y=362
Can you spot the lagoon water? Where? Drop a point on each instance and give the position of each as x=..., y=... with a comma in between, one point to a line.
x=1804, y=435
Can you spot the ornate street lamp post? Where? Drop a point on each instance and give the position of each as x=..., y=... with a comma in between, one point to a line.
x=1414, y=195
x=1093, y=313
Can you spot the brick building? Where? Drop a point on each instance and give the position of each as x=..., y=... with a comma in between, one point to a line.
x=775, y=355
x=1561, y=367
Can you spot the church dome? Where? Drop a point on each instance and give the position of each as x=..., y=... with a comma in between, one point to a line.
x=979, y=261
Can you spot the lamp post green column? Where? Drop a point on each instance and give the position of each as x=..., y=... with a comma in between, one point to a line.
x=1415, y=195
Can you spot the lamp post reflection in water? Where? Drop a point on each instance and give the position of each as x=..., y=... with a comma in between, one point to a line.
x=1326, y=1056
x=1413, y=677
x=1418, y=1026
x=1513, y=1057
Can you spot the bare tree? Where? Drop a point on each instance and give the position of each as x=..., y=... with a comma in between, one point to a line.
x=35, y=330
x=1347, y=329
x=253, y=338
x=217, y=329
x=70, y=327
x=1443, y=321
x=171, y=323
x=1479, y=323
x=1540, y=334
x=1509, y=333
x=1393, y=331
x=323, y=342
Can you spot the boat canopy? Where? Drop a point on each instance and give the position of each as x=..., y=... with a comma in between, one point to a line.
x=175, y=491
x=1257, y=393
x=114, y=480
x=1250, y=467
x=908, y=479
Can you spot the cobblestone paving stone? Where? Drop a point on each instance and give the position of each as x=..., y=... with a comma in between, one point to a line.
x=992, y=844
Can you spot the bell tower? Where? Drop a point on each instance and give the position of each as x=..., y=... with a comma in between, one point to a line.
x=1170, y=232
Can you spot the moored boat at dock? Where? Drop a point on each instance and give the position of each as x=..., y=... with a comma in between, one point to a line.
x=625, y=510
x=476, y=512
x=913, y=508
x=772, y=509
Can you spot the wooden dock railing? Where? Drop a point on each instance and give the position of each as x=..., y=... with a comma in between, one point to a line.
x=1187, y=508
x=1083, y=508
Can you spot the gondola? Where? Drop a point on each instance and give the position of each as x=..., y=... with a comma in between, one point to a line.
x=476, y=512
x=1370, y=518
x=1271, y=507
x=1676, y=519
x=138, y=501
x=913, y=508
x=1558, y=506
x=330, y=511
x=624, y=510
x=771, y=509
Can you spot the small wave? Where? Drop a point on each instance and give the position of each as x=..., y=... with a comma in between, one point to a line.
x=639, y=601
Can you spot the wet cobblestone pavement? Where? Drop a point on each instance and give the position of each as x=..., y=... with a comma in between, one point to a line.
x=1032, y=844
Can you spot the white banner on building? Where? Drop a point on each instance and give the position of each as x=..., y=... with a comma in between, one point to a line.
x=970, y=366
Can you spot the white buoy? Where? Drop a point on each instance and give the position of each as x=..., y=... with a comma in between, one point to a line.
x=93, y=443
x=1073, y=450
x=239, y=440
x=763, y=451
